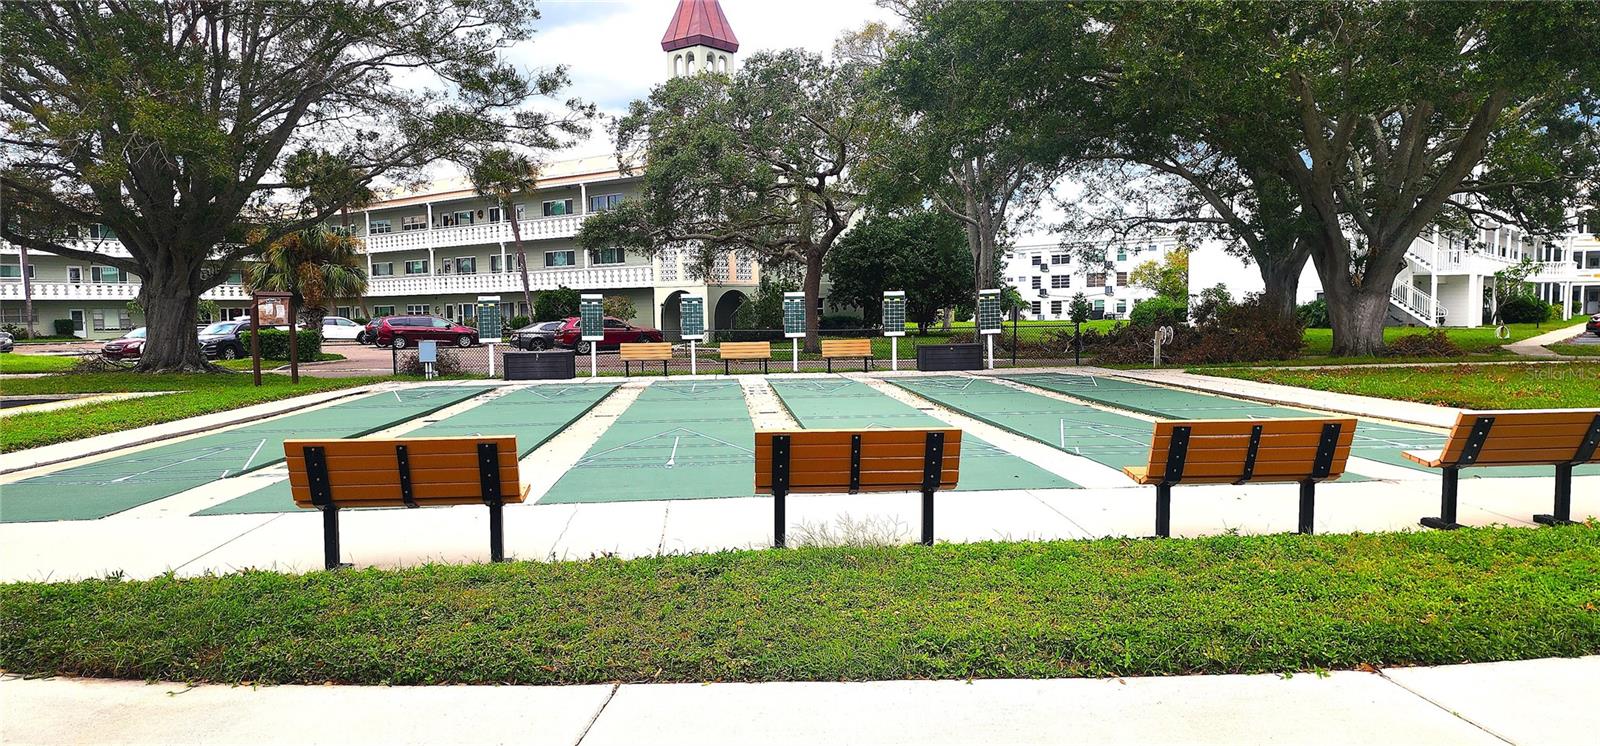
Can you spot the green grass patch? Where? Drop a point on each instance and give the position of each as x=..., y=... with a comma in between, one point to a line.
x=1475, y=339
x=1225, y=604
x=194, y=394
x=1575, y=350
x=247, y=365
x=1528, y=386
x=13, y=362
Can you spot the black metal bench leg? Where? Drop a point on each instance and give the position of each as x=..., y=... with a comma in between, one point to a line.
x=1563, y=509
x=778, y=519
x=627, y=368
x=866, y=364
x=497, y=533
x=830, y=364
x=330, y=538
x=927, y=518
x=1446, y=521
x=1163, y=510
x=1308, y=505
x=724, y=367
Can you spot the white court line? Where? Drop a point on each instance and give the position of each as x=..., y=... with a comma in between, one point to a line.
x=164, y=466
x=253, y=454
x=674, y=457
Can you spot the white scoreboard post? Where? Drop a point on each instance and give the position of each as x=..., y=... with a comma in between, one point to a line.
x=592, y=327
x=894, y=323
x=794, y=325
x=692, y=323
x=990, y=320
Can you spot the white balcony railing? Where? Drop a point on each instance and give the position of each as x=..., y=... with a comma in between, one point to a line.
x=1414, y=301
x=92, y=291
x=564, y=226
x=578, y=278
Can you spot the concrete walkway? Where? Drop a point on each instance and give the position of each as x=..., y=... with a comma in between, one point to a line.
x=1535, y=346
x=1524, y=702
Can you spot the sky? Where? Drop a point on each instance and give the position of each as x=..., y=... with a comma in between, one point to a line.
x=612, y=48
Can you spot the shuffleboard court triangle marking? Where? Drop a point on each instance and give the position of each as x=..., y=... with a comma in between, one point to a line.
x=669, y=436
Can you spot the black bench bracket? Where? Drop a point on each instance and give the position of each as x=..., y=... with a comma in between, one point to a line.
x=855, y=463
x=1326, y=446
x=1177, y=456
x=1250, y=455
x=489, y=481
x=932, y=471
x=403, y=465
x=1475, y=439
x=780, y=486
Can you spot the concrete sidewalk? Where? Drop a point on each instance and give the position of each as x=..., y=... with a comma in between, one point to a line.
x=1535, y=346
x=1525, y=702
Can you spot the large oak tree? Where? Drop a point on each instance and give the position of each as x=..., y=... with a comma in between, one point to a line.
x=188, y=128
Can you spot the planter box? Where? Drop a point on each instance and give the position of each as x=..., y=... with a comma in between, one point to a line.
x=540, y=366
x=950, y=357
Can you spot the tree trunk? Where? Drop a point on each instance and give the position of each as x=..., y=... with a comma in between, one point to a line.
x=812, y=285
x=522, y=259
x=1358, y=312
x=27, y=293
x=171, y=344
x=1280, y=276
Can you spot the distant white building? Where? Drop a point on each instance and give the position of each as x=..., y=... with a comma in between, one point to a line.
x=1049, y=274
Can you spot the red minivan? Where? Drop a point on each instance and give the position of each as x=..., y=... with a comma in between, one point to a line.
x=407, y=331
x=617, y=331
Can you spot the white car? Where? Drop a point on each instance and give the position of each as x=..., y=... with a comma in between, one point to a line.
x=339, y=328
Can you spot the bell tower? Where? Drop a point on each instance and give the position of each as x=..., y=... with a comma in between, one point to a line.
x=699, y=39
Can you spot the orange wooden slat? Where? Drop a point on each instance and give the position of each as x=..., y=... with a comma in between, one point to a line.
x=648, y=351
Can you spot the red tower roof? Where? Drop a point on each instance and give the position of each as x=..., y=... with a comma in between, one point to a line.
x=699, y=22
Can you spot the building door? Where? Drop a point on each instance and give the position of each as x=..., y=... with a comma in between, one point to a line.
x=77, y=323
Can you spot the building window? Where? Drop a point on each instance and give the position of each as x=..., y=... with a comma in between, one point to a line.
x=557, y=207
x=1061, y=281
x=607, y=256
x=469, y=311
x=1100, y=306
x=494, y=263
x=1036, y=260
x=1034, y=307
x=14, y=271
x=1059, y=259
x=603, y=202
x=1122, y=306
x=1097, y=279
x=417, y=267
x=380, y=226
x=235, y=277
x=99, y=232
x=1122, y=255
x=16, y=315
x=466, y=265
x=461, y=217
x=568, y=258
x=1036, y=282
x=119, y=317
x=380, y=311
x=382, y=269
x=1122, y=279
x=98, y=273
x=414, y=223
x=417, y=309
x=1055, y=308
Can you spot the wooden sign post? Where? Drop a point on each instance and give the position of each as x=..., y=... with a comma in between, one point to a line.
x=274, y=308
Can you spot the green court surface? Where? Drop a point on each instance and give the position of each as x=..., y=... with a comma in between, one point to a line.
x=843, y=403
x=534, y=414
x=1103, y=437
x=1374, y=441
x=116, y=484
x=677, y=441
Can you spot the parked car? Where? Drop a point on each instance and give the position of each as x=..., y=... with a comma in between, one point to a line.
x=221, y=340
x=617, y=331
x=340, y=328
x=6, y=342
x=407, y=331
x=126, y=347
x=540, y=336
x=1593, y=327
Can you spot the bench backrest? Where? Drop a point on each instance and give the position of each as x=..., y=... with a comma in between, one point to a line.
x=646, y=350
x=403, y=471
x=847, y=347
x=875, y=460
x=1229, y=451
x=1523, y=437
x=745, y=350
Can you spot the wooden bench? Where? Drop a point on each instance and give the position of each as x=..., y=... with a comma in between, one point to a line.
x=1305, y=450
x=329, y=475
x=645, y=352
x=745, y=351
x=1531, y=437
x=847, y=348
x=875, y=460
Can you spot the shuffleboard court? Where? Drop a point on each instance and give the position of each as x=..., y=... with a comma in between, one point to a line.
x=1374, y=441
x=677, y=441
x=1103, y=437
x=843, y=403
x=121, y=482
x=534, y=415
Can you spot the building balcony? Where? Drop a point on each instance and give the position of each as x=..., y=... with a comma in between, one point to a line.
x=577, y=278
x=104, y=291
x=564, y=226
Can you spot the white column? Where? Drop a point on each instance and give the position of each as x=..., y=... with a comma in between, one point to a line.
x=430, y=215
x=583, y=198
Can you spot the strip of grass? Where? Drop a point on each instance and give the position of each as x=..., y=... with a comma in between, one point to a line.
x=1225, y=604
x=1476, y=339
x=1575, y=350
x=196, y=394
x=13, y=362
x=1531, y=386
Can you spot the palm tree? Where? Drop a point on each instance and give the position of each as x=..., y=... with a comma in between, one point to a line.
x=316, y=266
x=500, y=174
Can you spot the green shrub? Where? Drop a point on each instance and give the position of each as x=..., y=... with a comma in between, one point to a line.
x=517, y=322
x=1314, y=315
x=64, y=327
x=1524, y=309
x=275, y=344
x=554, y=305
x=16, y=331
x=841, y=321
x=1160, y=311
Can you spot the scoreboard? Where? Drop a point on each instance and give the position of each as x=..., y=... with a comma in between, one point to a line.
x=591, y=317
x=989, y=317
x=794, y=315
x=692, y=316
x=894, y=313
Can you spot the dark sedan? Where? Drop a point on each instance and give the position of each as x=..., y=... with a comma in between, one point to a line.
x=540, y=336
x=1593, y=327
x=127, y=347
x=221, y=340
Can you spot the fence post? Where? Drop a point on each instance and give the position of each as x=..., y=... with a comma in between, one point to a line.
x=394, y=360
x=491, y=360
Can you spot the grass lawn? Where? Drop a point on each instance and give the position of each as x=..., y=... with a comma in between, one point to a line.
x=1478, y=339
x=1575, y=350
x=196, y=394
x=1530, y=386
x=13, y=362
x=1121, y=607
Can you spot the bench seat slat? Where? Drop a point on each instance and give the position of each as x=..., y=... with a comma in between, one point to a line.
x=868, y=462
x=467, y=446
x=646, y=351
x=1274, y=428
x=1265, y=455
x=745, y=350
x=903, y=481
x=465, y=493
x=878, y=438
x=847, y=348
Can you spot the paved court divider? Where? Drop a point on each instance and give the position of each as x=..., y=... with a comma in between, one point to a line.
x=118, y=483
x=677, y=441
x=534, y=415
x=1374, y=441
x=843, y=403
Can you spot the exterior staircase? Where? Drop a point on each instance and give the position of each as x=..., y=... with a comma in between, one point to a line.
x=1414, y=303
